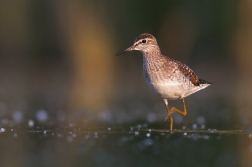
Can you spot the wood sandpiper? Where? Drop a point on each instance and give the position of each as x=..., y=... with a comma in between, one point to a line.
x=169, y=78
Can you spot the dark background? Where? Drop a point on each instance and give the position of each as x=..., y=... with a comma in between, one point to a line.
x=58, y=69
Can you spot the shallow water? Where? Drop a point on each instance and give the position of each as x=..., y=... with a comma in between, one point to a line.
x=124, y=136
x=120, y=146
x=127, y=130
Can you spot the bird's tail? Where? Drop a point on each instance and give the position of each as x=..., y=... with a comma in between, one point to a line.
x=202, y=81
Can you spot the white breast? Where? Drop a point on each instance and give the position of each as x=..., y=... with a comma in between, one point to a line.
x=167, y=89
x=174, y=90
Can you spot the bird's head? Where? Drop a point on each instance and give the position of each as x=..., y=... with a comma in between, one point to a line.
x=145, y=43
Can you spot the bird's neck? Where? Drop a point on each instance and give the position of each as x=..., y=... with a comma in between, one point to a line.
x=154, y=54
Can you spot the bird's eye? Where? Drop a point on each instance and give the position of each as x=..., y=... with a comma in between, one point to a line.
x=144, y=41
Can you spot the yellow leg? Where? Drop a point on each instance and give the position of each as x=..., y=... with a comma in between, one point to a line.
x=173, y=110
x=171, y=123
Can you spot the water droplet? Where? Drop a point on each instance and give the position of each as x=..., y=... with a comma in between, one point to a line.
x=2, y=130
x=250, y=135
x=148, y=142
x=151, y=117
x=109, y=129
x=185, y=133
x=30, y=123
x=136, y=133
x=200, y=120
x=96, y=135
x=69, y=138
x=17, y=116
x=15, y=135
x=194, y=137
x=44, y=131
x=194, y=126
x=247, y=128
x=41, y=115
x=206, y=137
x=148, y=134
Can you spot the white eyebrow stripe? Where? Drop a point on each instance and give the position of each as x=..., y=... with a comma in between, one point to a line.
x=138, y=42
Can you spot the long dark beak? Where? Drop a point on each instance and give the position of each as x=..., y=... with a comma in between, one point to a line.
x=125, y=51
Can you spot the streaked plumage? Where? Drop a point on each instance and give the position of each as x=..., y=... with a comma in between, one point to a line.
x=169, y=78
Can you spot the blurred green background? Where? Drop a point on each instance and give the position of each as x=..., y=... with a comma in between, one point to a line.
x=58, y=67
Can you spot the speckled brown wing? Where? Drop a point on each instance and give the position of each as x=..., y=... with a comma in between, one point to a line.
x=188, y=72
